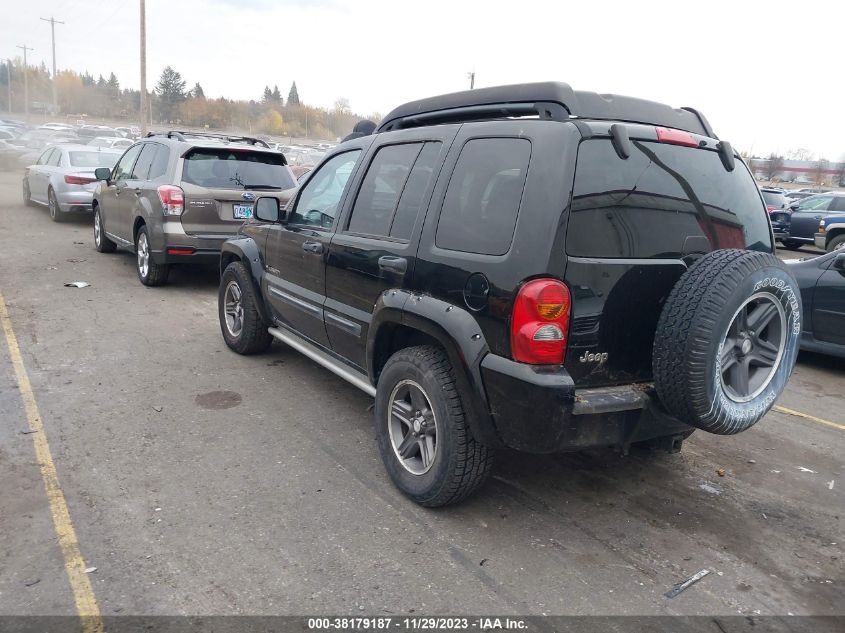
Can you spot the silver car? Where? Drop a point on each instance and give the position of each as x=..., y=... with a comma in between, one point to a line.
x=63, y=178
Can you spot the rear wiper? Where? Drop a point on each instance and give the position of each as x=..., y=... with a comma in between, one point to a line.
x=263, y=187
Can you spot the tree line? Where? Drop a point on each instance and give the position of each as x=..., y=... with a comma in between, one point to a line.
x=173, y=104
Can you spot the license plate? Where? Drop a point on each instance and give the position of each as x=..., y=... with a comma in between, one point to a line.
x=242, y=211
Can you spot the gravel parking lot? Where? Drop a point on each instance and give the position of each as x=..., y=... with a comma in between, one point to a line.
x=203, y=482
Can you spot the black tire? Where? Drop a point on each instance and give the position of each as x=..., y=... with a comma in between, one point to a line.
x=27, y=194
x=252, y=336
x=56, y=214
x=151, y=274
x=101, y=241
x=733, y=311
x=460, y=464
x=835, y=242
x=792, y=245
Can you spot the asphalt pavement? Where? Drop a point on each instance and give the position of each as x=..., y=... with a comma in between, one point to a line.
x=202, y=482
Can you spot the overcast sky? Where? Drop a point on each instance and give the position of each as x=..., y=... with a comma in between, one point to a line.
x=768, y=74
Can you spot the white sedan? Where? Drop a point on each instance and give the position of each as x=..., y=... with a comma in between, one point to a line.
x=63, y=178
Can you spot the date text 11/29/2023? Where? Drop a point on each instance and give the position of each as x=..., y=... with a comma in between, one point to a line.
x=421, y=623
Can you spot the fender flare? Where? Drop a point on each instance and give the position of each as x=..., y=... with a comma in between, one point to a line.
x=246, y=250
x=458, y=333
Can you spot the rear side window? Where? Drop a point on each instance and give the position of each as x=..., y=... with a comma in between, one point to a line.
x=236, y=169
x=391, y=194
x=663, y=201
x=142, y=165
x=838, y=204
x=482, y=201
x=160, y=161
x=55, y=158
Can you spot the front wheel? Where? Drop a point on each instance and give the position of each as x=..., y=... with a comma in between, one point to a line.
x=101, y=241
x=422, y=432
x=150, y=273
x=835, y=243
x=243, y=329
x=792, y=245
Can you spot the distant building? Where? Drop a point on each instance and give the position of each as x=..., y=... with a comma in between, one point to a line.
x=801, y=171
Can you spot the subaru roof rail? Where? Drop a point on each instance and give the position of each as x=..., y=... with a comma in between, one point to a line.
x=228, y=138
x=548, y=100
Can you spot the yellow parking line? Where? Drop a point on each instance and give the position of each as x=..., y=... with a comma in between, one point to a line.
x=83, y=594
x=807, y=416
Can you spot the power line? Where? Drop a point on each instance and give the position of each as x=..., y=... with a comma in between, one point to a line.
x=25, y=48
x=53, y=22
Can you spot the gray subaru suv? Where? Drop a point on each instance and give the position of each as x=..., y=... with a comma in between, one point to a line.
x=175, y=197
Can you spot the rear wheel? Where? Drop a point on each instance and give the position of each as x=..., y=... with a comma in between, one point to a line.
x=837, y=241
x=240, y=321
x=53, y=206
x=422, y=432
x=101, y=241
x=150, y=273
x=792, y=245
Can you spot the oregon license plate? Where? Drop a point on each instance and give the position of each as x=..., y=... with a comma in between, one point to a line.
x=242, y=211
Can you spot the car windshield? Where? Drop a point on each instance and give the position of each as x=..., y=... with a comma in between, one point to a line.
x=774, y=199
x=93, y=159
x=236, y=169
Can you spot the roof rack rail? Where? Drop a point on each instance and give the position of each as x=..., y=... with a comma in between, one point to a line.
x=548, y=100
x=228, y=138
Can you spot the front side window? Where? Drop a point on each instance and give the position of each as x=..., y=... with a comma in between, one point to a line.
x=482, y=200
x=320, y=197
x=141, y=170
x=124, y=168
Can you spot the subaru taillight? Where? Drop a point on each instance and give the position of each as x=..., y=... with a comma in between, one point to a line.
x=172, y=199
x=79, y=180
x=540, y=322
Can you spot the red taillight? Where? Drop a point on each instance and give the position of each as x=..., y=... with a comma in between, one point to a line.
x=770, y=209
x=172, y=199
x=675, y=137
x=180, y=251
x=540, y=322
x=79, y=180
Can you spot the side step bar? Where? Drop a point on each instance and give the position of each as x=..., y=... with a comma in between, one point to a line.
x=322, y=358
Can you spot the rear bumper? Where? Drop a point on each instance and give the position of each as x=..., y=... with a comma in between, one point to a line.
x=169, y=236
x=538, y=410
x=75, y=201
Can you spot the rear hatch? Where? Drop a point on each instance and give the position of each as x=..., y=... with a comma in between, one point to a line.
x=221, y=184
x=635, y=225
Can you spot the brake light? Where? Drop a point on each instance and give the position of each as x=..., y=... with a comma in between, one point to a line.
x=770, y=209
x=540, y=322
x=675, y=137
x=79, y=180
x=172, y=199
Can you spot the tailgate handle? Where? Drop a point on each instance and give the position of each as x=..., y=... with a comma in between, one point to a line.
x=393, y=264
x=312, y=247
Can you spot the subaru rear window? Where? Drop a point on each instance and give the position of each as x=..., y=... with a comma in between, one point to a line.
x=663, y=201
x=236, y=169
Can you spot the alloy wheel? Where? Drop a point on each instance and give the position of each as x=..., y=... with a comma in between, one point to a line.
x=143, y=255
x=412, y=425
x=97, y=228
x=233, y=309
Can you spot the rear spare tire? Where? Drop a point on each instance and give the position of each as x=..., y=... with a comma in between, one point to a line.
x=727, y=340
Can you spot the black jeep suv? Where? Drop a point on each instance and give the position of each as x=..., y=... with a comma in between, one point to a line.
x=529, y=267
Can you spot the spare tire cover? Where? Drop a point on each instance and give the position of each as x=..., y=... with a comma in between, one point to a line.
x=726, y=340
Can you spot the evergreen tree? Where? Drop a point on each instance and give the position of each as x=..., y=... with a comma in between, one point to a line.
x=171, y=90
x=197, y=91
x=293, y=95
x=113, y=86
x=268, y=95
x=277, y=96
x=101, y=83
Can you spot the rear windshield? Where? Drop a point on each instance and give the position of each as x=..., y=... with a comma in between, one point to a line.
x=774, y=199
x=93, y=159
x=663, y=201
x=236, y=169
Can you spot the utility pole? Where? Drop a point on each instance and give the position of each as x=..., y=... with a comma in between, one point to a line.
x=144, y=114
x=9, y=77
x=53, y=22
x=25, y=48
x=471, y=76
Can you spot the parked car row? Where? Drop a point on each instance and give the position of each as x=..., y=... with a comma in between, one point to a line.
x=818, y=220
x=485, y=279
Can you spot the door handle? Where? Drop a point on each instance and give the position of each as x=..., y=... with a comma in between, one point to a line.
x=393, y=264
x=312, y=247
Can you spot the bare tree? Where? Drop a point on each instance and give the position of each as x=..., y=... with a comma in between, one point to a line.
x=341, y=105
x=799, y=154
x=774, y=166
x=819, y=169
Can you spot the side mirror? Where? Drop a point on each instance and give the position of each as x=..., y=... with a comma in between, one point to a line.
x=267, y=209
x=839, y=262
x=102, y=173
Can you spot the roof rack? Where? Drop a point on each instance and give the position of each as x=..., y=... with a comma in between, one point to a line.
x=548, y=100
x=228, y=138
